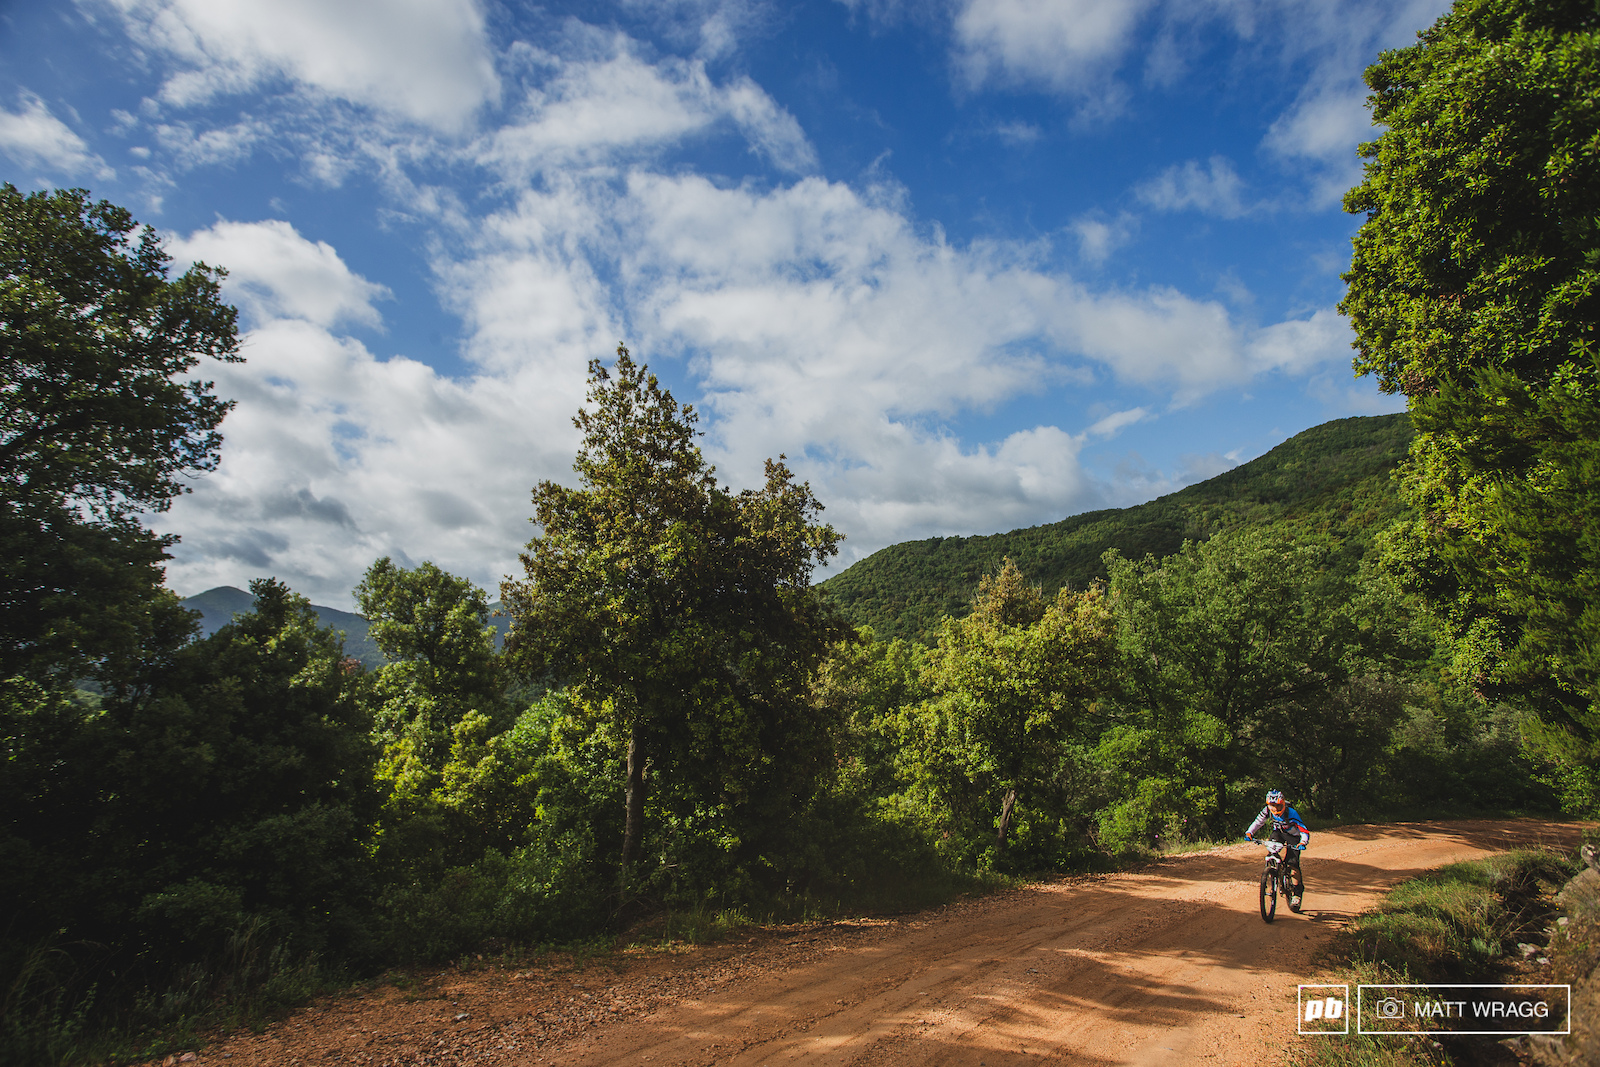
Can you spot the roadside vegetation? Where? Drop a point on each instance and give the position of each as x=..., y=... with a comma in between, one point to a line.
x=680, y=724
x=1467, y=922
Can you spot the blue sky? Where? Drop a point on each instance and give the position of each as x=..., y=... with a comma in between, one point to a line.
x=972, y=264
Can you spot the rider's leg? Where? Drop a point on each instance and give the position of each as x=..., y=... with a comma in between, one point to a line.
x=1293, y=858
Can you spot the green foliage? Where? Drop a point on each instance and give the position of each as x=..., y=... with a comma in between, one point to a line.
x=1329, y=484
x=437, y=621
x=1473, y=290
x=96, y=425
x=1453, y=923
x=1220, y=641
x=93, y=337
x=682, y=616
x=1009, y=699
x=223, y=794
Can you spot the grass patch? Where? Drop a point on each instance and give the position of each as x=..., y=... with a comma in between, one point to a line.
x=1204, y=844
x=1456, y=923
x=1459, y=923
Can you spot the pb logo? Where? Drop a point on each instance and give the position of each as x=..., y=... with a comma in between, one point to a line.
x=1323, y=1009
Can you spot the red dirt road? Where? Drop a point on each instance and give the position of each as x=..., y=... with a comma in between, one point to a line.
x=1170, y=964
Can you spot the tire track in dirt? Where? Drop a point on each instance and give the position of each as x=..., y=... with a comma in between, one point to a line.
x=1169, y=964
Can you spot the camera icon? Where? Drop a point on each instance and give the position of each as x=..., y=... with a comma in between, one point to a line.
x=1389, y=1008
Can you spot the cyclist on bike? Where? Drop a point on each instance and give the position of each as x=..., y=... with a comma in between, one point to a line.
x=1289, y=828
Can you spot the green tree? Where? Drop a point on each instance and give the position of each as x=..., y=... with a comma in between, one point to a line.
x=97, y=424
x=682, y=614
x=1213, y=638
x=439, y=711
x=1014, y=684
x=223, y=798
x=434, y=619
x=1473, y=291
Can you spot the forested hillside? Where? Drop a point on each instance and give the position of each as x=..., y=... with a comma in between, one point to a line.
x=1331, y=483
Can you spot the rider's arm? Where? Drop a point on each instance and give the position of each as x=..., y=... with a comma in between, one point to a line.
x=1261, y=820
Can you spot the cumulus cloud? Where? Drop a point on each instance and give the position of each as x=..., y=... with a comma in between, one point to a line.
x=427, y=60
x=819, y=321
x=274, y=273
x=1211, y=190
x=607, y=103
x=334, y=458
x=813, y=317
x=1063, y=46
x=816, y=319
x=1098, y=236
x=36, y=138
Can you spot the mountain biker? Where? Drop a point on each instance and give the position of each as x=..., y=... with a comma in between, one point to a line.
x=1289, y=828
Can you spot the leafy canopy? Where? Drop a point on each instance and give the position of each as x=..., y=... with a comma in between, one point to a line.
x=96, y=425
x=680, y=612
x=1475, y=290
x=94, y=339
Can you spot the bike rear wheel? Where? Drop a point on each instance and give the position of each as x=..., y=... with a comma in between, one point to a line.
x=1269, y=896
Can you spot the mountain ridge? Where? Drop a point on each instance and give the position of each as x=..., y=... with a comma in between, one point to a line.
x=1330, y=482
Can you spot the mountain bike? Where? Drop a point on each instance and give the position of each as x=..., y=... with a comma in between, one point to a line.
x=1275, y=880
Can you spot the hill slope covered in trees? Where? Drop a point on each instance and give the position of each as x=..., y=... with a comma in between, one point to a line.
x=1331, y=482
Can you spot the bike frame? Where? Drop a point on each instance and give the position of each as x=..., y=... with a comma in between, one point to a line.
x=1274, y=879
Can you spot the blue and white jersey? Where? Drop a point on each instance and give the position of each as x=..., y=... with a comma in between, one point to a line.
x=1289, y=822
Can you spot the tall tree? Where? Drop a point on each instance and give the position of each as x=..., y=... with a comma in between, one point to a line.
x=97, y=424
x=1475, y=291
x=437, y=621
x=1214, y=637
x=680, y=611
x=1014, y=682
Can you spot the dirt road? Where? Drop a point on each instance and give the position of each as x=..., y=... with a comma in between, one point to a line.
x=1167, y=965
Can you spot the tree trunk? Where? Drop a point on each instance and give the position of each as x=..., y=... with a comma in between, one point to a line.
x=1005, y=819
x=633, y=829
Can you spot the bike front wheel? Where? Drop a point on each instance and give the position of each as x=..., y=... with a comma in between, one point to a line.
x=1269, y=896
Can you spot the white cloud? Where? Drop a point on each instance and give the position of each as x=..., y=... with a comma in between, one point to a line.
x=611, y=104
x=819, y=321
x=1099, y=236
x=769, y=128
x=275, y=273
x=428, y=60
x=1017, y=133
x=1212, y=190
x=1112, y=424
x=814, y=318
x=210, y=147
x=1060, y=45
x=715, y=27
x=334, y=458
x=36, y=138
x=1301, y=345
x=1329, y=119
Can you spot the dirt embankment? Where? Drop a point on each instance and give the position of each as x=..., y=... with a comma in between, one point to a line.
x=1170, y=964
